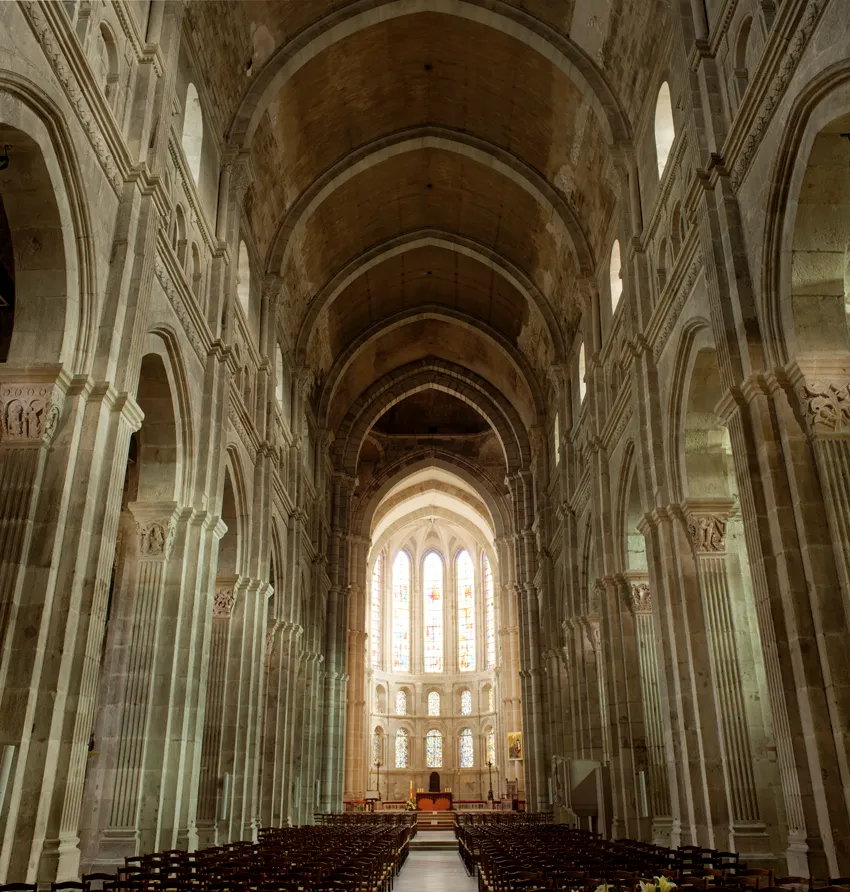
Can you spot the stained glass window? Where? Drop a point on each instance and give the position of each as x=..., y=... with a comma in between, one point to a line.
x=377, y=754
x=433, y=749
x=401, y=702
x=401, y=748
x=489, y=612
x=433, y=612
x=491, y=747
x=465, y=613
x=466, y=748
x=377, y=603
x=433, y=703
x=401, y=613
x=466, y=703
x=491, y=700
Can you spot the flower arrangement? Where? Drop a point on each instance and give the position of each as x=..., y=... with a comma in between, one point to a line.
x=659, y=884
x=410, y=804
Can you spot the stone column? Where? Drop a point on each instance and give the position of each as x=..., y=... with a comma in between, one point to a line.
x=140, y=654
x=210, y=781
x=638, y=598
x=707, y=519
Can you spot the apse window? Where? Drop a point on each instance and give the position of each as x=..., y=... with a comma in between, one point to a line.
x=556, y=439
x=433, y=703
x=401, y=757
x=377, y=606
x=433, y=749
x=401, y=703
x=467, y=750
x=616, y=273
x=466, y=703
x=665, y=132
x=433, y=612
x=401, y=613
x=465, y=613
x=193, y=132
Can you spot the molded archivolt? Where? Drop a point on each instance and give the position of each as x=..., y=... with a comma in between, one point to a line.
x=412, y=241
x=443, y=376
x=55, y=313
x=422, y=460
x=345, y=375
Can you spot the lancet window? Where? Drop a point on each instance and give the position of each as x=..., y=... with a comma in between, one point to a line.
x=377, y=606
x=401, y=702
x=401, y=750
x=465, y=612
x=489, y=612
x=401, y=613
x=433, y=703
x=466, y=703
x=467, y=756
x=433, y=612
x=433, y=749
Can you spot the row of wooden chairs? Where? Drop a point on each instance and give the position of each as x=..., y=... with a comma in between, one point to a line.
x=351, y=858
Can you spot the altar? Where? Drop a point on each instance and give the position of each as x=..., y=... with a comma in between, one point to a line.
x=434, y=801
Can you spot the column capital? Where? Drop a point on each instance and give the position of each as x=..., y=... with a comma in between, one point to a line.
x=30, y=405
x=707, y=519
x=156, y=526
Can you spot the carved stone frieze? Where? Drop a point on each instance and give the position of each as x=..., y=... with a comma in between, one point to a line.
x=28, y=414
x=178, y=304
x=45, y=35
x=778, y=85
x=223, y=602
x=708, y=533
x=825, y=407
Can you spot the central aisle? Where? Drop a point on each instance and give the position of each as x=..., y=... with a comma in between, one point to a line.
x=434, y=871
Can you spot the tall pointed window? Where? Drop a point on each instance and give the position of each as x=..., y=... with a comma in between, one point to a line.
x=433, y=703
x=491, y=700
x=377, y=604
x=665, y=131
x=467, y=758
x=401, y=702
x=489, y=611
x=466, y=703
x=401, y=756
x=401, y=613
x=433, y=749
x=616, y=275
x=465, y=613
x=193, y=131
x=556, y=438
x=378, y=745
x=433, y=612
x=582, y=374
x=491, y=747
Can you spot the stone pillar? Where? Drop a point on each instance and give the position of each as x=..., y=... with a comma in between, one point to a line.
x=707, y=519
x=638, y=598
x=210, y=781
x=140, y=655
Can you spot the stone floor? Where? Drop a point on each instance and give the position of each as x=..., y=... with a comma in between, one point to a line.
x=434, y=872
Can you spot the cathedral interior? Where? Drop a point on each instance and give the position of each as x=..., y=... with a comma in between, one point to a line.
x=424, y=396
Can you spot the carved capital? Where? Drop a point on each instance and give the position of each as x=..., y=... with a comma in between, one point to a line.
x=825, y=406
x=639, y=598
x=156, y=538
x=708, y=533
x=29, y=414
x=223, y=601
